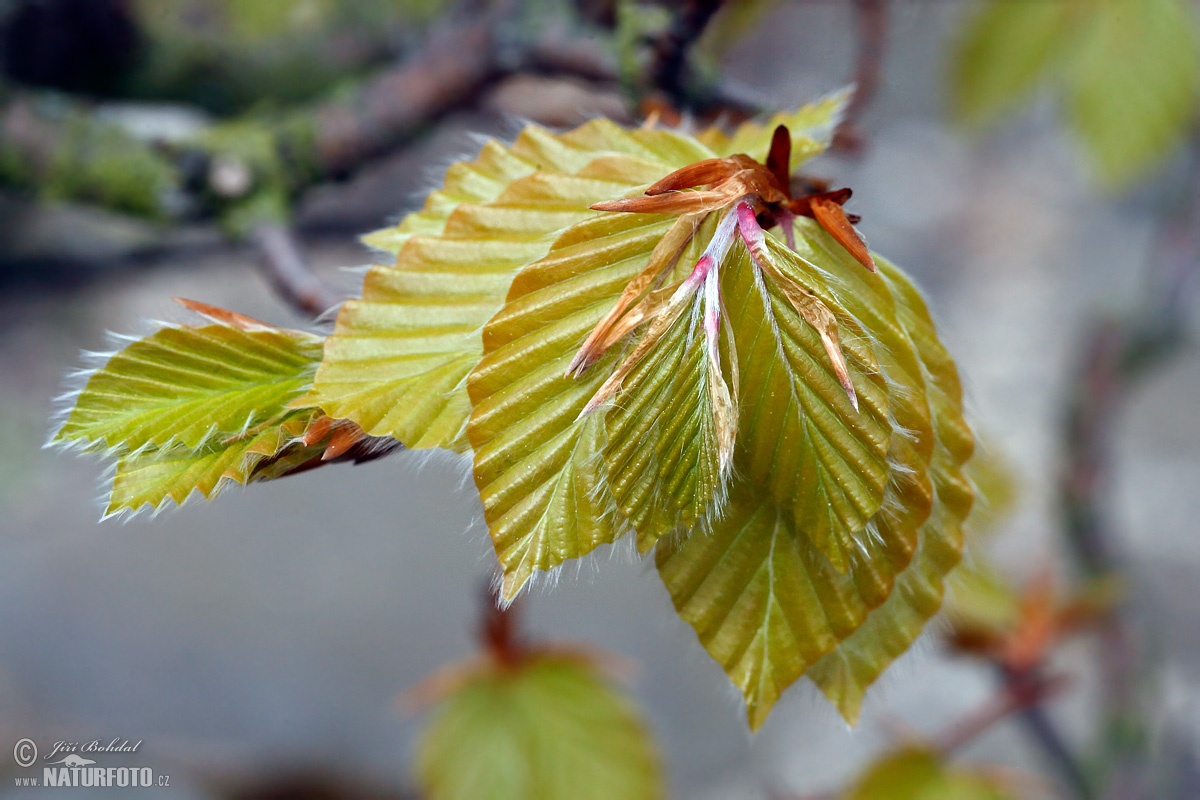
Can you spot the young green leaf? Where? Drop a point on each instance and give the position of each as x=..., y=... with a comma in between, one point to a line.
x=770, y=410
x=537, y=462
x=546, y=728
x=764, y=602
x=397, y=361
x=845, y=674
x=767, y=636
x=831, y=419
x=664, y=451
x=151, y=477
x=821, y=458
x=191, y=409
x=1005, y=51
x=184, y=387
x=811, y=128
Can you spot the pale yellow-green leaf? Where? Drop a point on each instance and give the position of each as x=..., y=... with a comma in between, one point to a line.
x=763, y=601
x=799, y=435
x=194, y=408
x=762, y=655
x=397, y=361
x=917, y=773
x=664, y=438
x=538, y=466
x=548, y=729
x=845, y=674
x=478, y=181
x=183, y=387
x=149, y=478
x=663, y=451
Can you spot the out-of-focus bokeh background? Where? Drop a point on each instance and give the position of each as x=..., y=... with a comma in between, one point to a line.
x=264, y=637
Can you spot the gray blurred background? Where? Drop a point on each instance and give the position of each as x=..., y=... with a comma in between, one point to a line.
x=269, y=632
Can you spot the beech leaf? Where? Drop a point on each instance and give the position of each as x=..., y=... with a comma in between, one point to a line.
x=182, y=387
x=546, y=728
x=918, y=773
x=845, y=674
x=398, y=359
x=1129, y=72
x=193, y=408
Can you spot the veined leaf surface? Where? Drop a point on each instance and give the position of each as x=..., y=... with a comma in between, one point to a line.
x=663, y=451
x=799, y=434
x=538, y=465
x=764, y=602
x=181, y=387
x=845, y=674
x=151, y=477
x=397, y=361
x=192, y=408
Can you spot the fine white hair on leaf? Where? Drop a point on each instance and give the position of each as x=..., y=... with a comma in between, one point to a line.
x=897, y=389
x=824, y=132
x=902, y=432
x=362, y=269
x=436, y=460
x=870, y=533
x=75, y=381
x=327, y=317
x=510, y=126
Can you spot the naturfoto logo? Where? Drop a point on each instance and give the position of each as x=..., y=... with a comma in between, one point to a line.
x=64, y=765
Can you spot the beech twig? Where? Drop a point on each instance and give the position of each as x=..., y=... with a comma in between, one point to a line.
x=871, y=20
x=289, y=272
x=1116, y=355
x=669, y=69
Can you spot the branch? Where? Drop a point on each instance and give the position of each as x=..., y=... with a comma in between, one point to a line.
x=290, y=273
x=1016, y=696
x=1116, y=355
x=63, y=151
x=669, y=69
x=871, y=18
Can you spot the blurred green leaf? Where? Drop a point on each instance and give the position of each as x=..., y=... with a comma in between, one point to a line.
x=545, y=728
x=916, y=773
x=1129, y=71
x=1006, y=50
x=1133, y=90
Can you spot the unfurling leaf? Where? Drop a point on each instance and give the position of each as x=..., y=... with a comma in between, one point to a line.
x=547, y=727
x=633, y=332
x=398, y=360
x=193, y=408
